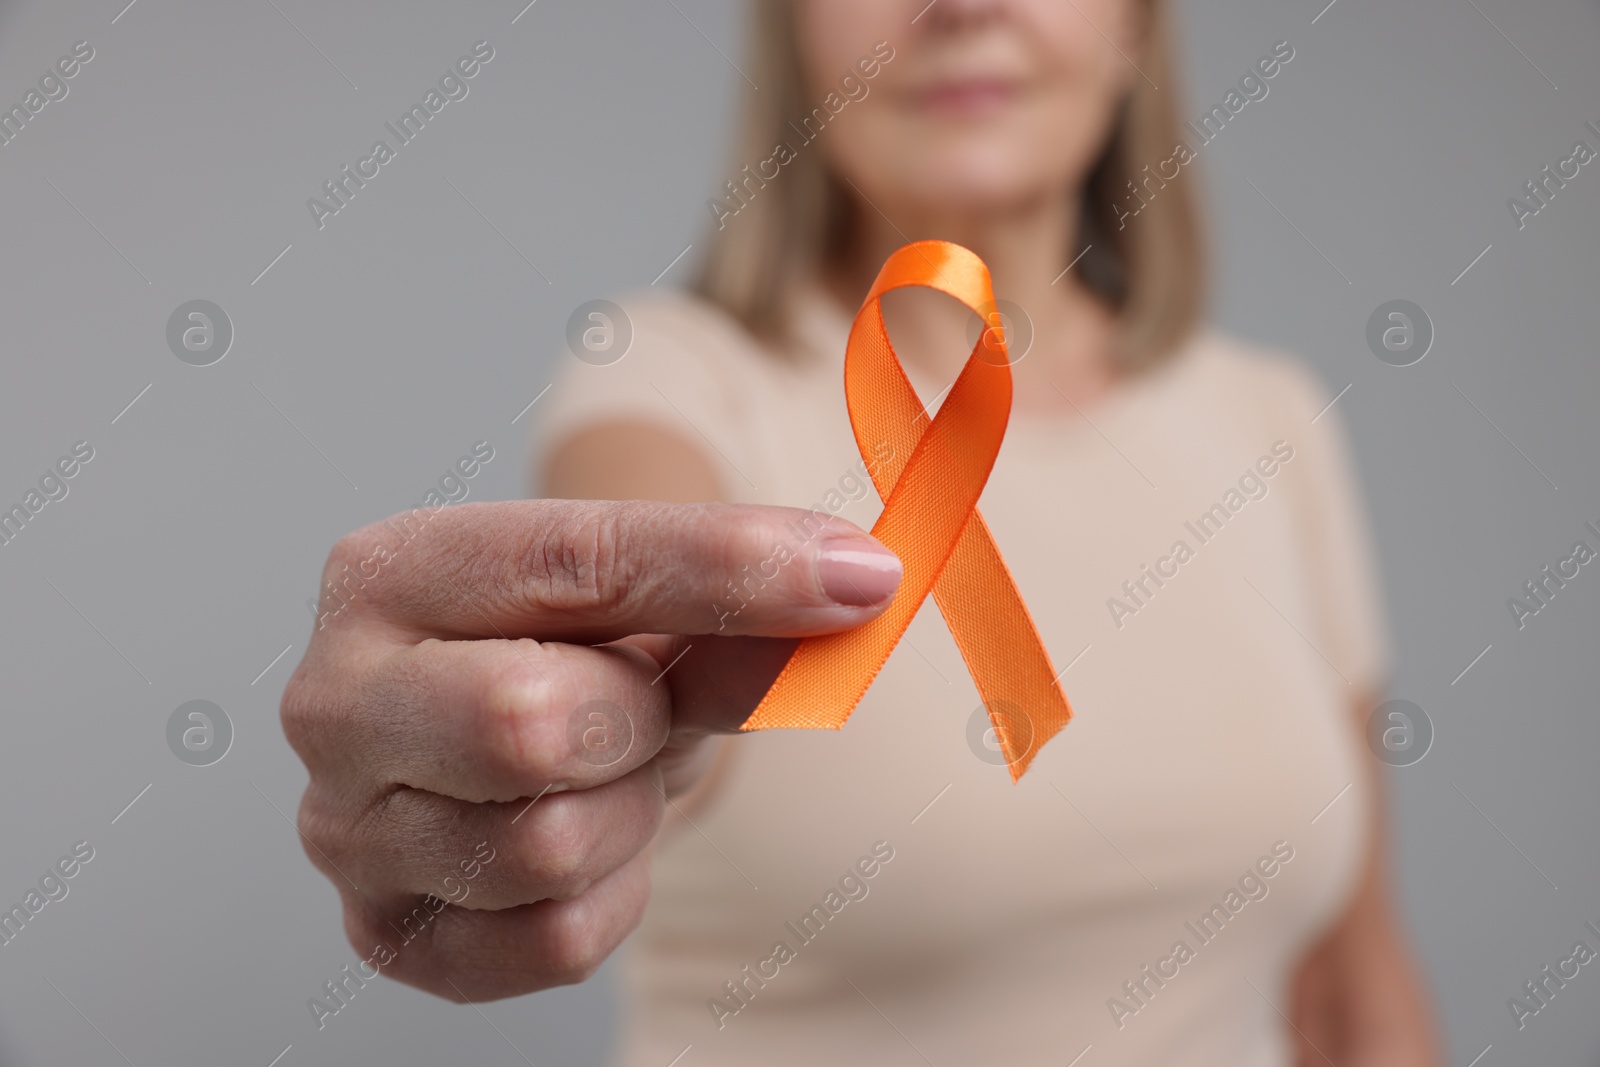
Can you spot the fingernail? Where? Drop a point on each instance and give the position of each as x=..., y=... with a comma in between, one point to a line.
x=858, y=573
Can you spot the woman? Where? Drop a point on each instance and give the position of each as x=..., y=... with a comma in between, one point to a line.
x=1192, y=872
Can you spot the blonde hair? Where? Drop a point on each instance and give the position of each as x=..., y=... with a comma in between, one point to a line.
x=1149, y=272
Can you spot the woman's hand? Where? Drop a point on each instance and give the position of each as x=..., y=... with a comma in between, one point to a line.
x=1358, y=998
x=1359, y=1002
x=490, y=739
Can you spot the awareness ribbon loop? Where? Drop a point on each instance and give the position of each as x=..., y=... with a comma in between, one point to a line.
x=930, y=485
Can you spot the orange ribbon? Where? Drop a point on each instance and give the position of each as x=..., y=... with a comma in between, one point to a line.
x=930, y=520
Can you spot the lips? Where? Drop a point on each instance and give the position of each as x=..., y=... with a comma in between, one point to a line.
x=967, y=97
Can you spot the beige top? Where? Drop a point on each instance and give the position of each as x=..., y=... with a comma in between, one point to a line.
x=884, y=894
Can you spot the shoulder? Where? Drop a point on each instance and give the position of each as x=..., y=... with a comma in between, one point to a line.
x=676, y=312
x=1278, y=398
x=677, y=325
x=1255, y=381
x=663, y=359
x=663, y=353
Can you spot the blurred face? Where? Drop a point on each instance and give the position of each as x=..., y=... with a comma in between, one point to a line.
x=984, y=105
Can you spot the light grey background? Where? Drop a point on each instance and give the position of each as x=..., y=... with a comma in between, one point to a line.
x=179, y=565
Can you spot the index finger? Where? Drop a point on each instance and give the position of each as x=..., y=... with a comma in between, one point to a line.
x=587, y=571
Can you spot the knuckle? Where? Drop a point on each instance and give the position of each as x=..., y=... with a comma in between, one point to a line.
x=578, y=946
x=345, y=551
x=310, y=709
x=362, y=928
x=344, y=560
x=521, y=738
x=585, y=933
x=354, y=563
x=323, y=832
x=585, y=562
x=330, y=692
x=296, y=709
x=557, y=850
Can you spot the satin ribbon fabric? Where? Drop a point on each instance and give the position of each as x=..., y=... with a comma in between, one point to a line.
x=930, y=486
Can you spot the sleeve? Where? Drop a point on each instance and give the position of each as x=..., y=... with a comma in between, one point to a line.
x=658, y=358
x=1352, y=629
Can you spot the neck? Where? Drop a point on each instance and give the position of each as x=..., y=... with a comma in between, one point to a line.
x=1026, y=247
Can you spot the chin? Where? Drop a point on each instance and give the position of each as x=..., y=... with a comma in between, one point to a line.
x=982, y=182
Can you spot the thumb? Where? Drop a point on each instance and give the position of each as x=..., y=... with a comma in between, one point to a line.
x=715, y=682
